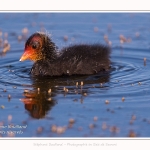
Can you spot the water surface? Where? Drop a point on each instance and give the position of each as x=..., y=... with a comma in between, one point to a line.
x=111, y=104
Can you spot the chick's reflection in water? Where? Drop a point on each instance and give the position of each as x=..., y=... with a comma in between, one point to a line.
x=38, y=101
x=45, y=90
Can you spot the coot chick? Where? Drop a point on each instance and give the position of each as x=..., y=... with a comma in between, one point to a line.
x=80, y=59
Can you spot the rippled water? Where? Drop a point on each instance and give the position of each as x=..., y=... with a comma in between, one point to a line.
x=111, y=104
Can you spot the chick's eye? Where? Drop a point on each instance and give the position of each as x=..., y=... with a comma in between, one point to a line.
x=34, y=46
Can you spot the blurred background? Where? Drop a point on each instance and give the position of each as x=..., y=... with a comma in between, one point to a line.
x=112, y=104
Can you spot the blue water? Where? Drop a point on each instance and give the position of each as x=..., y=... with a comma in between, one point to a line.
x=126, y=86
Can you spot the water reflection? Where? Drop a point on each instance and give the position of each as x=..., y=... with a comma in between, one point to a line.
x=39, y=101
